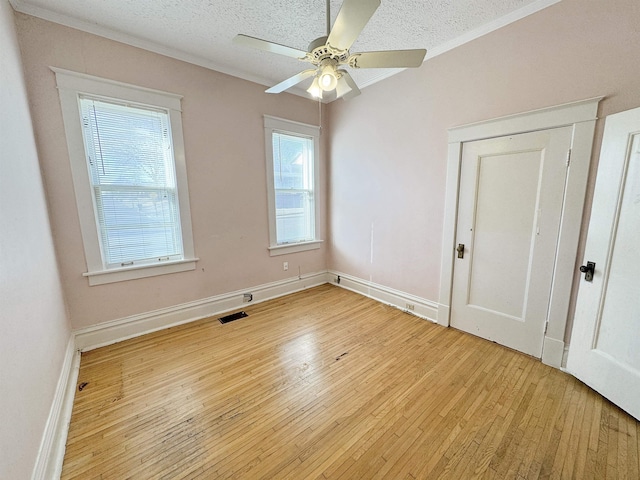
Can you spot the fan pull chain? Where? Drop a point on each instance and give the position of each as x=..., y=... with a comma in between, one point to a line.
x=320, y=114
x=280, y=156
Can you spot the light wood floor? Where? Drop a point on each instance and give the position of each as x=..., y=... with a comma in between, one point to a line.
x=328, y=384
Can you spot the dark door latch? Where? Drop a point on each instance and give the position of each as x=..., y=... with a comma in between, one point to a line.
x=588, y=270
x=460, y=250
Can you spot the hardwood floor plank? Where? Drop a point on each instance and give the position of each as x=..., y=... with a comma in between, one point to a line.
x=565, y=456
x=583, y=434
x=328, y=384
x=612, y=446
x=603, y=444
x=633, y=466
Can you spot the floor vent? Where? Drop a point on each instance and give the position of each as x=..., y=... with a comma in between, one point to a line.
x=233, y=316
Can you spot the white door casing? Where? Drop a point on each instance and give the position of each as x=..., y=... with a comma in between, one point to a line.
x=605, y=341
x=510, y=205
x=581, y=116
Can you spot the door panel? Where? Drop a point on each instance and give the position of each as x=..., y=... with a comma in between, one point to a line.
x=605, y=350
x=510, y=203
x=620, y=314
x=506, y=224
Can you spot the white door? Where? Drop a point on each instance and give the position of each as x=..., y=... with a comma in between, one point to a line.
x=509, y=211
x=605, y=343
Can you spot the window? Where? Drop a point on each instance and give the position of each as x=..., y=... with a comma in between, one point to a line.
x=292, y=177
x=127, y=158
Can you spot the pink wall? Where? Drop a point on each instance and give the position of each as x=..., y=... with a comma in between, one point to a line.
x=389, y=146
x=34, y=329
x=224, y=144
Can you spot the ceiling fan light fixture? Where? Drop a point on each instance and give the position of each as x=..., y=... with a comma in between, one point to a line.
x=328, y=53
x=315, y=89
x=328, y=78
x=342, y=88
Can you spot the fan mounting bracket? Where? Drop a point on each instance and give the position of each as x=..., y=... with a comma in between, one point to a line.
x=320, y=50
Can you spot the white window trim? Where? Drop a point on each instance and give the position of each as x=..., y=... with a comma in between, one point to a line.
x=280, y=125
x=70, y=86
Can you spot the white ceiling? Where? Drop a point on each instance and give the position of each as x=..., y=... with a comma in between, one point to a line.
x=201, y=31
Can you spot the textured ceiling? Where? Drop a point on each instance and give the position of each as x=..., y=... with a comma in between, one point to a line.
x=201, y=31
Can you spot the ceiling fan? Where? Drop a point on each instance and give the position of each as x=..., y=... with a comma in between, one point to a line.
x=328, y=54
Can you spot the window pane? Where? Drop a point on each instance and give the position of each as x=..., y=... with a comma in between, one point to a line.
x=293, y=184
x=127, y=146
x=292, y=161
x=138, y=224
x=294, y=216
x=130, y=159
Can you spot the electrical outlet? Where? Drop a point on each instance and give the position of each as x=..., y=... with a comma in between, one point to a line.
x=410, y=306
x=285, y=266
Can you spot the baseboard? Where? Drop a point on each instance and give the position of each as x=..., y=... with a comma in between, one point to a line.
x=114, y=331
x=552, y=352
x=422, y=307
x=51, y=454
x=121, y=329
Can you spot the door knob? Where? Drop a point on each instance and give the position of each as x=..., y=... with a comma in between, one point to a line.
x=460, y=250
x=588, y=270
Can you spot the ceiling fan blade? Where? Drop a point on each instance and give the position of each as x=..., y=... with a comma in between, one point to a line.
x=351, y=19
x=290, y=82
x=388, y=59
x=265, y=45
x=346, y=87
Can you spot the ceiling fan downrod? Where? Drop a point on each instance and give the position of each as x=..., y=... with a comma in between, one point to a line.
x=328, y=17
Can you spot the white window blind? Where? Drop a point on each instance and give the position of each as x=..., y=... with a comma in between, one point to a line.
x=293, y=173
x=132, y=172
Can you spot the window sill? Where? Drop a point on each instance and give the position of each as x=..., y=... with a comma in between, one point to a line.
x=131, y=273
x=294, y=248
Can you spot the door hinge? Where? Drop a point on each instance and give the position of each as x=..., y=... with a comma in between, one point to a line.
x=568, y=157
x=546, y=326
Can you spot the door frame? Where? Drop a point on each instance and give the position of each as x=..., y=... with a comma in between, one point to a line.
x=582, y=116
